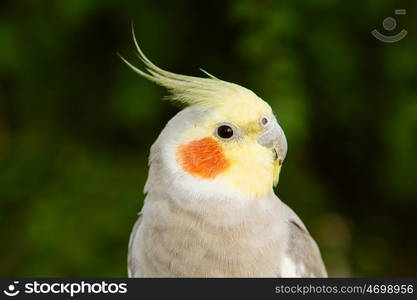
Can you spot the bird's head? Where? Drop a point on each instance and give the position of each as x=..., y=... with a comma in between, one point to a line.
x=227, y=138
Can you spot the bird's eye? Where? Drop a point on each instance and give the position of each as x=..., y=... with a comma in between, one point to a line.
x=225, y=131
x=264, y=120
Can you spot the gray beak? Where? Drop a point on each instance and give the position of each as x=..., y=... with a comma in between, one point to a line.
x=274, y=139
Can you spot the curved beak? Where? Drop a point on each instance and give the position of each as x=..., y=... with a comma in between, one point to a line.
x=280, y=149
x=274, y=139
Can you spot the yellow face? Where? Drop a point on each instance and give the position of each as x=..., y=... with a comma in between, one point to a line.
x=226, y=147
x=233, y=144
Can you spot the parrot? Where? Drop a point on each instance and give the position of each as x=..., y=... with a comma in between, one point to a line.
x=210, y=208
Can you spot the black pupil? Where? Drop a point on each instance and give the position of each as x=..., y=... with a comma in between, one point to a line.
x=225, y=132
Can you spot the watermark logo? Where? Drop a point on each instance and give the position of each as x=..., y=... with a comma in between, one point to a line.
x=11, y=290
x=390, y=24
x=59, y=287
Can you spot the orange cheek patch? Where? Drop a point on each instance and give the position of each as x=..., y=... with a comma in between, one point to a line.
x=203, y=158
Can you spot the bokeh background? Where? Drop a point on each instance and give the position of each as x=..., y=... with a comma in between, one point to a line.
x=76, y=124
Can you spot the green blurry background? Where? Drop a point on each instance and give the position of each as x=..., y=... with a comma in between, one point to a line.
x=76, y=124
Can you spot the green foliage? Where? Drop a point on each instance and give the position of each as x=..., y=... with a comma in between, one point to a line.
x=76, y=124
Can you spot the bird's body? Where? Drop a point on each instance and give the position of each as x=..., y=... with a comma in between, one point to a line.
x=210, y=209
x=258, y=240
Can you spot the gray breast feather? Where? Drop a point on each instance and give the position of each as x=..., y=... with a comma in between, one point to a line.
x=299, y=258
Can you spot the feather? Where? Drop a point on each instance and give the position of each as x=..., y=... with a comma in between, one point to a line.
x=189, y=90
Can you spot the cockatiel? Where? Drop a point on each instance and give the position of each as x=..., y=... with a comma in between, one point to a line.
x=210, y=209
